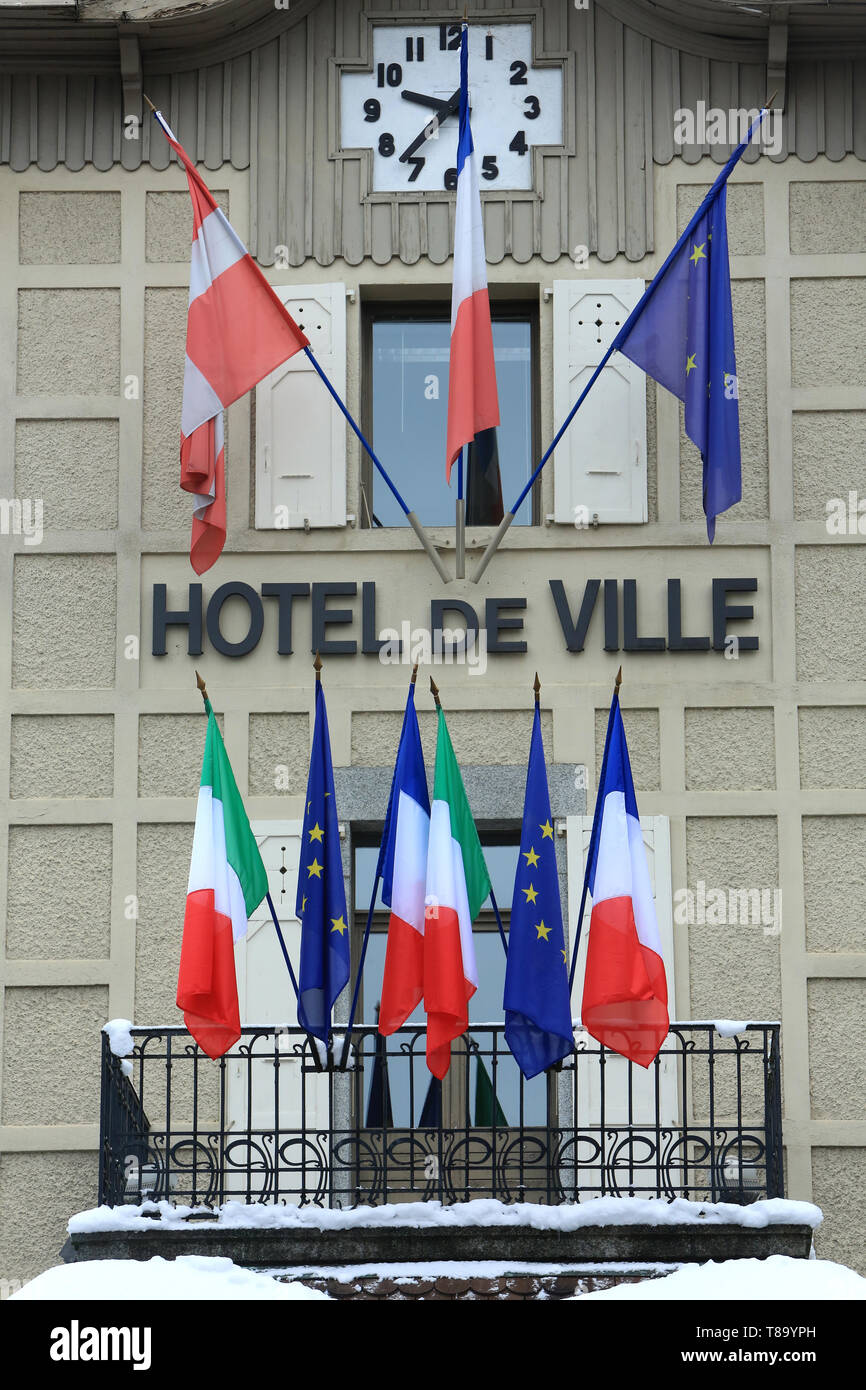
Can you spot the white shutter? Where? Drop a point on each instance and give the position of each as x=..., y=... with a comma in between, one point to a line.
x=265, y=992
x=600, y=465
x=266, y=996
x=617, y=1102
x=300, y=431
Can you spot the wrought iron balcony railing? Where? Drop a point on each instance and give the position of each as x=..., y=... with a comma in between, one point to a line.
x=274, y=1122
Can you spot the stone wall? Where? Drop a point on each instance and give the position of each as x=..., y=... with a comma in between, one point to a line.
x=758, y=762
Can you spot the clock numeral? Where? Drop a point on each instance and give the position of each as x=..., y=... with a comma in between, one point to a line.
x=450, y=179
x=518, y=74
x=488, y=47
x=414, y=50
x=393, y=75
x=449, y=36
x=531, y=108
x=518, y=144
x=489, y=167
x=372, y=109
x=386, y=143
x=417, y=161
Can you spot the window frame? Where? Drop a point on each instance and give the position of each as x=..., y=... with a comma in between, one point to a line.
x=377, y=309
x=504, y=832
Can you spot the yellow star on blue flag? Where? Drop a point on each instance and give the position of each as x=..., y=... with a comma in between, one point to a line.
x=321, y=900
x=538, y=1025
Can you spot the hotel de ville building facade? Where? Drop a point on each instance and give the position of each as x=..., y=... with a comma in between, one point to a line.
x=599, y=127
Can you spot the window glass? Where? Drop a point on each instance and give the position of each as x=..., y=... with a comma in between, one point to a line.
x=410, y=413
x=501, y=863
x=484, y=1007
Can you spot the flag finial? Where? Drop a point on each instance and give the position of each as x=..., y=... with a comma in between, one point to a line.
x=317, y=667
x=148, y=100
x=434, y=691
x=201, y=685
x=414, y=674
x=618, y=681
x=536, y=686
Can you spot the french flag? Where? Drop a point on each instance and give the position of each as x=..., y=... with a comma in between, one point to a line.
x=403, y=867
x=238, y=331
x=625, y=993
x=473, y=404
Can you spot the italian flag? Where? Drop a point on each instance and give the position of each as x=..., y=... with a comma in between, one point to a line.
x=457, y=884
x=227, y=881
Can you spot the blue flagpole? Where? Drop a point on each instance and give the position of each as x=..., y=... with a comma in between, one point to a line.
x=626, y=328
x=354, y=1007
x=499, y=922
x=593, y=838
x=409, y=515
x=283, y=946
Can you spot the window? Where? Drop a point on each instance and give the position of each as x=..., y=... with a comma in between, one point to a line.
x=500, y=852
x=406, y=354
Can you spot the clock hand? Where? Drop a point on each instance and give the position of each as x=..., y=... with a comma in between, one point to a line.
x=437, y=103
x=446, y=109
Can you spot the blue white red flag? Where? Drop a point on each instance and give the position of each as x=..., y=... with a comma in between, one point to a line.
x=625, y=994
x=403, y=867
x=473, y=403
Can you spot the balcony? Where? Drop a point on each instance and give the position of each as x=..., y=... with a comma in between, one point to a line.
x=275, y=1122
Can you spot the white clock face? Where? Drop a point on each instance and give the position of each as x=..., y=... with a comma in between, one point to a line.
x=405, y=110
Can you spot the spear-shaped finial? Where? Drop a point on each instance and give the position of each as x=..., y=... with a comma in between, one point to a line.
x=536, y=686
x=148, y=100
x=434, y=690
x=618, y=681
x=317, y=667
x=768, y=104
x=201, y=685
x=414, y=674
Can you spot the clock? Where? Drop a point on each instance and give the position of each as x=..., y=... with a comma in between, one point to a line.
x=406, y=111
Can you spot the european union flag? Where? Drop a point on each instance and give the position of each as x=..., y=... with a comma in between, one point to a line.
x=538, y=1025
x=684, y=338
x=321, y=901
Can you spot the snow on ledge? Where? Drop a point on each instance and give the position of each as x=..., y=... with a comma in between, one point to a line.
x=199, y=1277
x=779, y=1277
x=119, y=1037
x=598, y=1211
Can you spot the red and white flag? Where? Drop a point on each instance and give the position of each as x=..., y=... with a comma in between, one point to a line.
x=473, y=403
x=625, y=993
x=237, y=333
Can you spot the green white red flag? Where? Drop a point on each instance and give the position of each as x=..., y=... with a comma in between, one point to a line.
x=227, y=881
x=457, y=884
